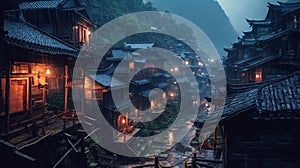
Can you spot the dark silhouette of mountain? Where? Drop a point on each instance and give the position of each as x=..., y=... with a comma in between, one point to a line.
x=206, y=14
x=292, y=1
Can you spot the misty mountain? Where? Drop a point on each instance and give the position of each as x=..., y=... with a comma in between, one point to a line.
x=291, y=1
x=206, y=14
x=104, y=11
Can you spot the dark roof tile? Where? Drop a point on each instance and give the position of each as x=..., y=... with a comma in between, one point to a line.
x=40, y=4
x=24, y=35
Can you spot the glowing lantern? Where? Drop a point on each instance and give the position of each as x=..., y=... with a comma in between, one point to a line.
x=258, y=76
x=200, y=63
x=48, y=72
x=164, y=95
x=131, y=65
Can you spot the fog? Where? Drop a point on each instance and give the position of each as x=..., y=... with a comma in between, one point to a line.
x=238, y=10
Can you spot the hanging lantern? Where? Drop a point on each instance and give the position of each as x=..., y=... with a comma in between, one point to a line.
x=48, y=72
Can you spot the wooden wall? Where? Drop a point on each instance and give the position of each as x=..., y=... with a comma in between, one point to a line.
x=261, y=143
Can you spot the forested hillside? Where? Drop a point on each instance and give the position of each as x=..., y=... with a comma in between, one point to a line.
x=102, y=11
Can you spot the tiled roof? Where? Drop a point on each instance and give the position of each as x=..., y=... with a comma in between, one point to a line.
x=286, y=7
x=118, y=55
x=141, y=81
x=283, y=8
x=139, y=46
x=278, y=100
x=238, y=103
x=249, y=42
x=273, y=35
x=106, y=80
x=229, y=49
x=148, y=93
x=256, y=62
x=258, y=22
x=40, y=4
x=26, y=36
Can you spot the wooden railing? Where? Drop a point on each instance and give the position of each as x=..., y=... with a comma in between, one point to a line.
x=39, y=121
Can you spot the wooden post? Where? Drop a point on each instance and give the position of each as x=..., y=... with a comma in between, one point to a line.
x=185, y=164
x=215, y=139
x=44, y=115
x=83, y=91
x=66, y=91
x=1, y=101
x=7, y=96
x=6, y=61
x=65, y=120
x=2, y=3
x=156, y=162
x=115, y=159
x=194, y=160
x=30, y=90
x=73, y=117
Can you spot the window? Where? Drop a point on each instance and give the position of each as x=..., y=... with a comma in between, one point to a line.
x=243, y=74
x=131, y=65
x=258, y=76
x=84, y=39
x=20, y=68
x=240, y=55
x=83, y=34
x=99, y=94
x=246, y=54
x=80, y=34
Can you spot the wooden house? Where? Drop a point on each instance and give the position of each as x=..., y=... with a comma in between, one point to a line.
x=260, y=126
x=103, y=93
x=269, y=50
x=65, y=19
x=260, y=120
x=35, y=65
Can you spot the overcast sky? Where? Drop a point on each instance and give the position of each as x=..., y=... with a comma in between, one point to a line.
x=238, y=10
